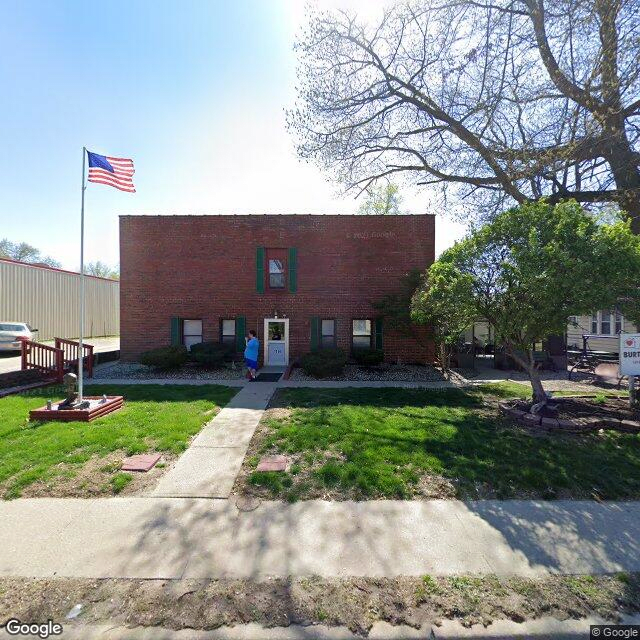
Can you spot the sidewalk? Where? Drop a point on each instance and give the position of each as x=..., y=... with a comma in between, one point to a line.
x=171, y=538
x=208, y=468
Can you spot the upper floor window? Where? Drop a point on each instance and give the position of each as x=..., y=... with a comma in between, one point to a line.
x=361, y=337
x=276, y=273
x=594, y=322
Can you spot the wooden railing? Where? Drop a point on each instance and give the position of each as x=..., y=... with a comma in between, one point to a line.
x=70, y=349
x=41, y=357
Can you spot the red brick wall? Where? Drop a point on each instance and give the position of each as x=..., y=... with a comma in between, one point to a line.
x=205, y=267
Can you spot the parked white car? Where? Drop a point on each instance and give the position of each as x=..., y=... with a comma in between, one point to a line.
x=11, y=334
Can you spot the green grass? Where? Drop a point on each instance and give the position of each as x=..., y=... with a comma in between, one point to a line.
x=154, y=418
x=367, y=443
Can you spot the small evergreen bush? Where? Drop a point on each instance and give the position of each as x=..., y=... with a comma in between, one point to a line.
x=368, y=357
x=324, y=363
x=210, y=354
x=165, y=357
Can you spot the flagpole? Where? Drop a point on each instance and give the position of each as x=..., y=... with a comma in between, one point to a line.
x=80, y=342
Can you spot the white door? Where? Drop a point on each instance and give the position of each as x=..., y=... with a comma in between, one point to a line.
x=276, y=339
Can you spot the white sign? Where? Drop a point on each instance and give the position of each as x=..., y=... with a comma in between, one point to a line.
x=630, y=354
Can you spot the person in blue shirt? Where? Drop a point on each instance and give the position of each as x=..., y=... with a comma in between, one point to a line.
x=251, y=354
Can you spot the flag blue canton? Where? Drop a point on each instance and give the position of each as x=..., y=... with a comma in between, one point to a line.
x=100, y=162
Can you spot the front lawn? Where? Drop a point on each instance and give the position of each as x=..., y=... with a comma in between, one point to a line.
x=403, y=443
x=55, y=455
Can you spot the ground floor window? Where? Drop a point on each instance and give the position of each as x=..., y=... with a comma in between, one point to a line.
x=607, y=323
x=228, y=332
x=191, y=332
x=328, y=334
x=619, y=322
x=361, y=334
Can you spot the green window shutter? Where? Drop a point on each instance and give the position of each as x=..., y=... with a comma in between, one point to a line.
x=260, y=269
x=293, y=269
x=315, y=333
x=379, y=333
x=241, y=330
x=176, y=331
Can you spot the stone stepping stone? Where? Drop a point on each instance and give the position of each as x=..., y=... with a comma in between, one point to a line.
x=141, y=462
x=273, y=463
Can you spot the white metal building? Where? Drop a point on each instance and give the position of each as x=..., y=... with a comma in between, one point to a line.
x=48, y=299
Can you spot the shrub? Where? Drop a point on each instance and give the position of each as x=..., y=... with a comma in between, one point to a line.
x=324, y=363
x=368, y=357
x=210, y=354
x=165, y=357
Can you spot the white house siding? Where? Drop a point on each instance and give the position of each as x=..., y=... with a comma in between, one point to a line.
x=48, y=299
x=610, y=343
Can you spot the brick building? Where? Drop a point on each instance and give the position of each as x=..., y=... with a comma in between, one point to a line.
x=303, y=281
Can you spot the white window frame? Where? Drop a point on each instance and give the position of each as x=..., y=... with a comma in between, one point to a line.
x=224, y=335
x=333, y=335
x=187, y=338
x=360, y=334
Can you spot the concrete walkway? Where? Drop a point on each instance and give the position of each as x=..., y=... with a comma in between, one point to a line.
x=171, y=538
x=209, y=467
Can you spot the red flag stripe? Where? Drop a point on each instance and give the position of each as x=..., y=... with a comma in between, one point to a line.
x=107, y=175
x=130, y=189
x=121, y=165
x=118, y=169
x=120, y=160
x=102, y=180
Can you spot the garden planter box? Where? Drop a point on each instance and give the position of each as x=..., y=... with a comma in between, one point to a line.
x=97, y=409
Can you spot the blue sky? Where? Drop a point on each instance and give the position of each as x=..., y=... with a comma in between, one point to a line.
x=193, y=91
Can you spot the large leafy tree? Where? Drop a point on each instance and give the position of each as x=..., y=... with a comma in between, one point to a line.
x=444, y=301
x=531, y=268
x=382, y=200
x=24, y=252
x=102, y=270
x=495, y=101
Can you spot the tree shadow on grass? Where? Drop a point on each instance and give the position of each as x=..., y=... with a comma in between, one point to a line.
x=453, y=433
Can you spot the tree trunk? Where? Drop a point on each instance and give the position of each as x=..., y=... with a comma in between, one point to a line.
x=539, y=394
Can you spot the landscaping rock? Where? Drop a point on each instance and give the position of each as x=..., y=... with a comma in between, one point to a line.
x=531, y=420
x=631, y=426
x=392, y=372
x=134, y=371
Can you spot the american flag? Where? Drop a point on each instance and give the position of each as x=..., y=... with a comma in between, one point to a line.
x=115, y=172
